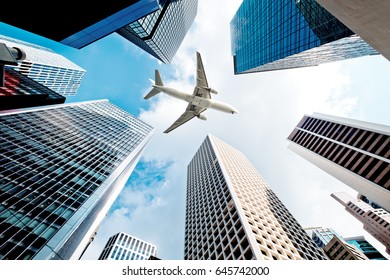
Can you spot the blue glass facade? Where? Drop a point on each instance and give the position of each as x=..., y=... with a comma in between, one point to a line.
x=322, y=236
x=161, y=32
x=272, y=35
x=366, y=248
x=61, y=168
x=112, y=23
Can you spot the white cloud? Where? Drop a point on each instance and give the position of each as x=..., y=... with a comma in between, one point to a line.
x=270, y=104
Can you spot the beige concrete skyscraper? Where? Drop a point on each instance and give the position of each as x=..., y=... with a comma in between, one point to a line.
x=232, y=213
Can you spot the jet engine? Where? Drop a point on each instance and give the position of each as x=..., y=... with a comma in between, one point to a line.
x=202, y=117
x=213, y=91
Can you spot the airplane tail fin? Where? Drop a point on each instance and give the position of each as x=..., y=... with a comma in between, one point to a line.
x=157, y=82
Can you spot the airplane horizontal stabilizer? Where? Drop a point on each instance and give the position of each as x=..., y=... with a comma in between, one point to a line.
x=152, y=93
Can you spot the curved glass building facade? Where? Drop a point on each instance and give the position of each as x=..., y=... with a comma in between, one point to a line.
x=272, y=35
x=61, y=168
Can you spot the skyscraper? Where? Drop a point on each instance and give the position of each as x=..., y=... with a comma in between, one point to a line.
x=161, y=32
x=61, y=168
x=369, y=19
x=231, y=212
x=123, y=246
x=156, y=26
x=355, y=152
x=20, y=91
x=338, y=249
x=375, y=221
x=365, y=247
x=322, y=236
x=88, y=24
x=273, y=35
x=47, y=67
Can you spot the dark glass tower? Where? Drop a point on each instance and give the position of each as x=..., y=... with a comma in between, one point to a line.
x=273, y=35
x=47, y=67
x=61, y=168
x=161, y=32
x=85, y=23
x=20, y=91
x=156, y=26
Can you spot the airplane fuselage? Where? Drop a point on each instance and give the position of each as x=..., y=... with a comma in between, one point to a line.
x=197, y=100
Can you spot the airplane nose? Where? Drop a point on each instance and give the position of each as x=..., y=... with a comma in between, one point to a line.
x=235, y=111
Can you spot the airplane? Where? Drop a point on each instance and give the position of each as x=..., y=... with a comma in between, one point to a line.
x=198, y=102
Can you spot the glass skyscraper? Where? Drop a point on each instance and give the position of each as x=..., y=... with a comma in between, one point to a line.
x=355, y=152
x=365, y=247
x=161, y=32
x=20, y=91
x=156, y=26
x=47, y=67
x=322, y=236
x=369, y=19
x=232, y=213
x=88, y=23
x=123, y=246
x=272, y=35
x=61, y=168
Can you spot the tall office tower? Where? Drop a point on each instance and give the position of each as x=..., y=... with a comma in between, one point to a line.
x=86, y=27
x=338, y=249
x=369, y=19
x=20, y=91
x=365, y=247
x=231, y=212
x=355, y=152
x=161, y=32
x=322, y=236
x=61, y=168
x=273, y=35
x=156, y=26
x=375, y=221
x=47, y=67
x=123, y=246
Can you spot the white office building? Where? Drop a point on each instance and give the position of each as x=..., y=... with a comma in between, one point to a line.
x=355, y=152
x=232, y=213
x=123, y=246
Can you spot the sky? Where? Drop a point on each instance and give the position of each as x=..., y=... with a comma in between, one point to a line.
x=152, y=204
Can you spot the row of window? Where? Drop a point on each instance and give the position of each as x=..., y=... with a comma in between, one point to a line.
x=369, y=141
x=51, y=163
x=366, y=166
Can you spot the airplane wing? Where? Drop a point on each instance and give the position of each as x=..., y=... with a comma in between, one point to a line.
x=201, y=80
x=200, y=90
x=190, y=112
